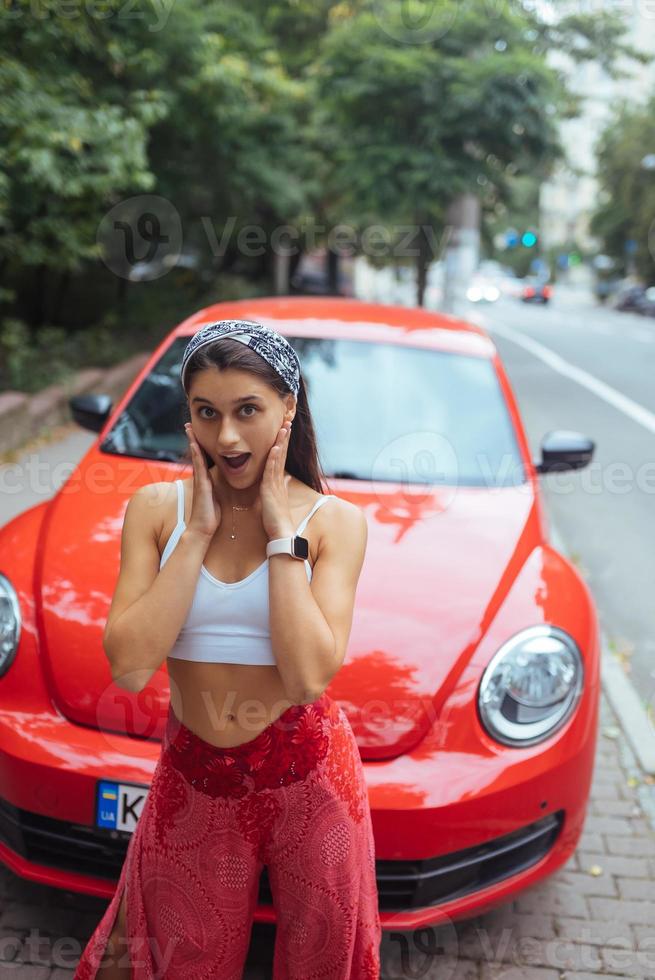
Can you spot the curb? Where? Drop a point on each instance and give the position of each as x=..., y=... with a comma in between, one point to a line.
x=620, y=691
x=24, y=415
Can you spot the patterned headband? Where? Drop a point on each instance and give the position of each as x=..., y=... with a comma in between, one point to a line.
x=269, y=344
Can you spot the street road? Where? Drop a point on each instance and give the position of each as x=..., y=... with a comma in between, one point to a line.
x=576, y=365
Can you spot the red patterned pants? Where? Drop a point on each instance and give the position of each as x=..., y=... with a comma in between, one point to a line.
x=293, y=798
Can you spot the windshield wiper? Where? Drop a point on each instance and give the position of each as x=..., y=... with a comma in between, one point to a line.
x=156, y=454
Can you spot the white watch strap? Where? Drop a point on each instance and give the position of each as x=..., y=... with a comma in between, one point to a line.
x=280, y=546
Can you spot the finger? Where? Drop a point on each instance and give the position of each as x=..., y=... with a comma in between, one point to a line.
x=194, y=450
x=197, y=454
x=283, y=449
x=282, y=452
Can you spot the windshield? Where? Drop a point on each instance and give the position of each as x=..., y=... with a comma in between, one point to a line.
x=382, y=412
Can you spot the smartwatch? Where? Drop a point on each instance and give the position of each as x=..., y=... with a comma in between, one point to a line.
x=296, y=546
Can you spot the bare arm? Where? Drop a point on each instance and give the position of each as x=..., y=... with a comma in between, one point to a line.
x=310, y=622
x=149, y=606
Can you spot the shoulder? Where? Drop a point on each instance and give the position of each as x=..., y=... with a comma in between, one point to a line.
x=344, y=525
x=151, y=502
x=156, y=494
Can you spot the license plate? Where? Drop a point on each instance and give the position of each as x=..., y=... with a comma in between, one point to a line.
x=119, y=805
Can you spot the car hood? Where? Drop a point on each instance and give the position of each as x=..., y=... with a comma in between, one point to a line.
x=437, y=568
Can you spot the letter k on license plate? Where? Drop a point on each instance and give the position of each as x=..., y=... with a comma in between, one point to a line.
x=119, y=805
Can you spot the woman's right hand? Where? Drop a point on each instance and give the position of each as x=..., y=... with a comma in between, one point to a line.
x=205, y=510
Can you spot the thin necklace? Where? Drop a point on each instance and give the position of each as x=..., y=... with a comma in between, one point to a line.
x=236, y=507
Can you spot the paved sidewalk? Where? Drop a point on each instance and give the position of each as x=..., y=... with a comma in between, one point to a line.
x=594, y=918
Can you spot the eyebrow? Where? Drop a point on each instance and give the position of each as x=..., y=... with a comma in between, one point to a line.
x=244, y=398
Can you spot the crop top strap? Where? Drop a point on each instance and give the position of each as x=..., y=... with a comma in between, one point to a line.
x=321, y=500
x=180, y=502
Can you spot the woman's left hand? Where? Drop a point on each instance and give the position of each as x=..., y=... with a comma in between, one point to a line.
x=275, y=511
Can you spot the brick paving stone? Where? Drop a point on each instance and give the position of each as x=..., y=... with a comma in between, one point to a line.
x=592, y=842
x=612, y=807
x=639, y=888
x=599, y=933
x=8, y=971
x=568, y=975
x=645, y=936
x=632, y=846
x=621, y=910
x=613, y=864
x=552, y=897
x=588, y=884
x=608, y=825
x=631, y=962
x=499, y=971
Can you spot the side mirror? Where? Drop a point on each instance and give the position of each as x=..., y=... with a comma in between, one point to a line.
x=562, y=449
x=91, y=411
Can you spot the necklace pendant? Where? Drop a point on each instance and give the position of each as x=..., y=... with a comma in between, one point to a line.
x=233, y=536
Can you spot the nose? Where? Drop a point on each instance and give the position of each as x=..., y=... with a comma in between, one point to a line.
x=228, y=437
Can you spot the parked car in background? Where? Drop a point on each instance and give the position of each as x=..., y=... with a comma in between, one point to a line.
x=628, y=297
x=535, y=290
x=482, y=289
x=645, y=304
x=472, y=675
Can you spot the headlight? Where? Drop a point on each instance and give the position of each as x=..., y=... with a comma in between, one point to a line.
x=531, y=686
x=10, y=624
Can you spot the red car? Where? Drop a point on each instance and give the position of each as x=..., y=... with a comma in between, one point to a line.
x=472, y=674
x=535, y=291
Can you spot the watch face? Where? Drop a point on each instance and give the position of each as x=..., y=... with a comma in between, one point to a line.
x=300, y=547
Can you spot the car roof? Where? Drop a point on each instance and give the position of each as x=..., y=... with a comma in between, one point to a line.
x=353, y=319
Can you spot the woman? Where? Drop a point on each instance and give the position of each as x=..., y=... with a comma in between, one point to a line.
x=233, y=789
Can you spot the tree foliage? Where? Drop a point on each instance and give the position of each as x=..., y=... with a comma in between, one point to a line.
x=266, y=114
x=626, y=209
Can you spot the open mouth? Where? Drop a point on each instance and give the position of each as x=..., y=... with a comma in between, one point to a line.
x=236, y=463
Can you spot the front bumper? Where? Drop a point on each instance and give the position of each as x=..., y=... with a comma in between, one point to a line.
x=61, y=849
x=487, y=834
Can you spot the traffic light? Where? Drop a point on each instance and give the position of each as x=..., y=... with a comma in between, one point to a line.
x=529, y=239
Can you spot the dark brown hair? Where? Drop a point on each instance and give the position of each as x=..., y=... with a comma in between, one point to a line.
x=302, y=459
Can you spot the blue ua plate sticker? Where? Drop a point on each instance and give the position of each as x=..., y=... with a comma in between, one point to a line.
x=119, y=805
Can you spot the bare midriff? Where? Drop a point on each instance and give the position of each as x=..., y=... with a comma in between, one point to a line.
x=228, y=704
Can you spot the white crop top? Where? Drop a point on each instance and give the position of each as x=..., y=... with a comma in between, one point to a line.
x=228, y=622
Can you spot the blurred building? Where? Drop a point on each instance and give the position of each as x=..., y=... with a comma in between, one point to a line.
x=570, y=197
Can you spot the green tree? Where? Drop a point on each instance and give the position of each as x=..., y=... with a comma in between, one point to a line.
x=626, y=208
x=95, y=109
x=71, y=135
x=410, y=126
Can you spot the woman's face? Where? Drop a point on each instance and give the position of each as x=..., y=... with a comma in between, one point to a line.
x=232, y=412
